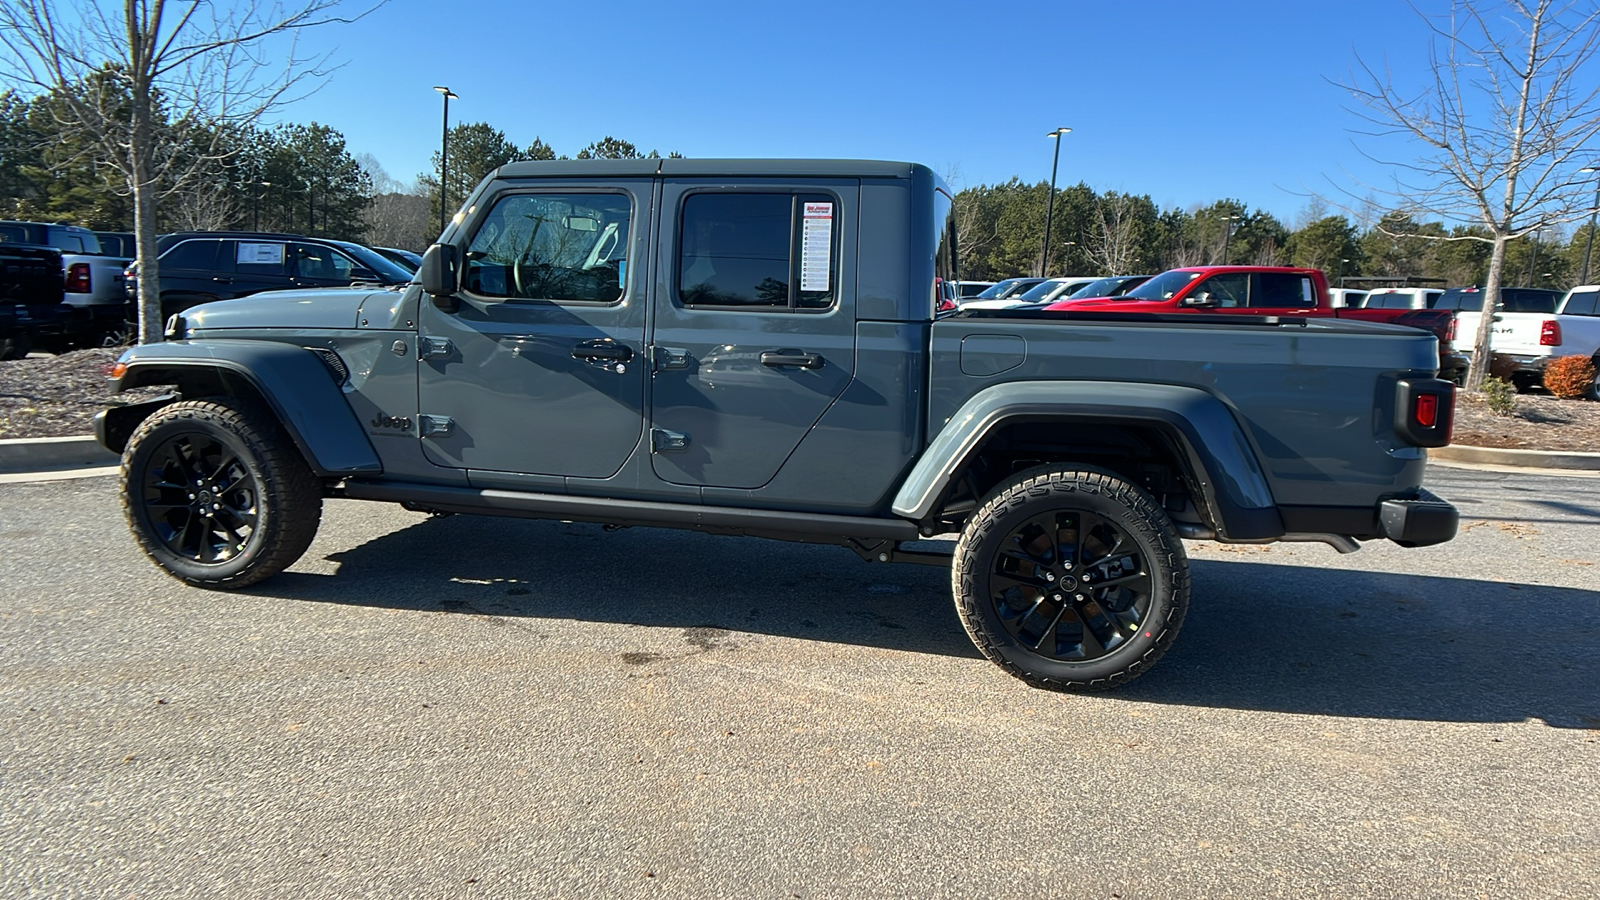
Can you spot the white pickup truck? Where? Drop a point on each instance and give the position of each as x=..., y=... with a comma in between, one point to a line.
x=1525, y=329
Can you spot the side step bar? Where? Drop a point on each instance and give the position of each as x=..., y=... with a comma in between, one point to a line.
x=780, y=525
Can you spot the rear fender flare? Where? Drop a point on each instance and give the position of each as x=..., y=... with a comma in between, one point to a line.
x=291, y=380
x=1218, y=456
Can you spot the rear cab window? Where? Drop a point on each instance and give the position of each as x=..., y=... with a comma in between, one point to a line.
x=1582, y=303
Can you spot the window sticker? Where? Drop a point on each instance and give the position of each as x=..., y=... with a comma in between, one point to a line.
x=251, y=254
x=816, y=247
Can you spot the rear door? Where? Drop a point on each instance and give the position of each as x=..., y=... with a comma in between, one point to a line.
x=754, y=333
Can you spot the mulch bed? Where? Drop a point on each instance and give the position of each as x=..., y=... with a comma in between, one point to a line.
x=59, y=395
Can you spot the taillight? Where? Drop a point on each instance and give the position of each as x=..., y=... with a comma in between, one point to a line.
x=1426, y=410
x=1550, y=333
x=1450, y=335
x=78, y=278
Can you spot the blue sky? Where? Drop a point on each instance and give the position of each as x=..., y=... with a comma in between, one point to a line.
x=1188, y=102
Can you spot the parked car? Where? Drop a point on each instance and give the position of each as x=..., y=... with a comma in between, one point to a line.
x=1046, y=291
x=1262, y=290
x=1520, y=314
x=403, y=257
x=118, y=243
x=1346, y=298
x=1402, y=298
x=1528, y=339
x=31, y=289
x=1003, y=290
x=92, y=313
x=203, y=266
x=533, y=374
x=1115, y=286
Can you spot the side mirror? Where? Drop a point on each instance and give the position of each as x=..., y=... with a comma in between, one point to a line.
x=359, y=274
x=440, y=275
x=1201, y=300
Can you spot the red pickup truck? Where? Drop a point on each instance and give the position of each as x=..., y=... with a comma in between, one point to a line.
x=1266, y=291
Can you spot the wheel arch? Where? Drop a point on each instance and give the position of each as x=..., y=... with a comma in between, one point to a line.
x=290, y=381
x=1113, y=424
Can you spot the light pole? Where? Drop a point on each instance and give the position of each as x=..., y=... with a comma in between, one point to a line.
x=1227, y=234
x=1588, y=242
x=1050, y=203
x=255, y=213
x=444, y=156
x=1533, y=261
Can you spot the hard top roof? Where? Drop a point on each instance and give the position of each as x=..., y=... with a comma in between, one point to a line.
x=772, y=168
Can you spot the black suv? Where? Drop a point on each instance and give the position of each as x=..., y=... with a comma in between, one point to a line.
x=202, y=266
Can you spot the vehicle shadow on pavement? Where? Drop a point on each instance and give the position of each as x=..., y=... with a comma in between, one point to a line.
x=641, y=576
x=1260, y=635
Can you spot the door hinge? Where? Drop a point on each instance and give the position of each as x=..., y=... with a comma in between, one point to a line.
x=671, y=358
x=435, y=426
x=432, y=347
x=664, y=441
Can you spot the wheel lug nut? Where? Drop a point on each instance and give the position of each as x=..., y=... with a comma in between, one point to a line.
x=1049, y=576
x=1056, y=598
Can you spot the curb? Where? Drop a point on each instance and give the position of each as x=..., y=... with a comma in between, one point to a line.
x=1534, y=459
x=53, y=454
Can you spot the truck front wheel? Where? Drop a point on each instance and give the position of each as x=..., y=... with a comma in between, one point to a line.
x=216, y=493
x=1071, y=579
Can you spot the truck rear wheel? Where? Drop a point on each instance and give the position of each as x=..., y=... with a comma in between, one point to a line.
x=1071, y=579
x=217, y=494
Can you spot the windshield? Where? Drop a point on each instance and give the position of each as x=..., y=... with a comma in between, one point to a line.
x=1100, y=287
x=1040, y=291
x=1163, y=286
x=386, y=268
x=994, y=291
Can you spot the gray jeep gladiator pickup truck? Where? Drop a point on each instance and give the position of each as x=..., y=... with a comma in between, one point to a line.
x=751, y=347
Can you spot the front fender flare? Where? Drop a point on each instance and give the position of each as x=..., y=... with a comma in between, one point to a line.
x=294, y=383
x=1217, y=454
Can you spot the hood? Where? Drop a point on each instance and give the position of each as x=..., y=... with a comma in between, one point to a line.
x=335, y=308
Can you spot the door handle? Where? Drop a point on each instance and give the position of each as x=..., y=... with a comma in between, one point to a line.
x=220, y=280
x=604, y=354
x=786, y=357
x=606, y=350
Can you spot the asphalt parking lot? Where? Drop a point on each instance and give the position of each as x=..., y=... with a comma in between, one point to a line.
x=473, y=707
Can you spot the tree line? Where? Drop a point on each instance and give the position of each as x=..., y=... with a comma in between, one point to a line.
x=297, y=178
x=1000, y=234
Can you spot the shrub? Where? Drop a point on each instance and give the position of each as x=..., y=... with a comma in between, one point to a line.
x=1501, y=396
x=1569, y=377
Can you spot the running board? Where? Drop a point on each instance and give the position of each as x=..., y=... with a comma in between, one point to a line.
x=777, y=524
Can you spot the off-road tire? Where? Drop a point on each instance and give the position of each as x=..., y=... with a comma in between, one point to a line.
x=15, y=346
x=276, y=493
x=1114, y=501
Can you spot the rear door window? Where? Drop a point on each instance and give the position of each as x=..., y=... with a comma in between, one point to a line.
x=200, y=254
x=758, y=251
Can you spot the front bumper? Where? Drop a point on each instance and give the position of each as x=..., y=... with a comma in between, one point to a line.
x=1418, y=522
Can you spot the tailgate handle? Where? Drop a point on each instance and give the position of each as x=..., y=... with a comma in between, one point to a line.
x=786, y=357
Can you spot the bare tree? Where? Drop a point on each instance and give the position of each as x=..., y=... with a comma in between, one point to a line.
x=1114, y=247
x=1512, y=105
x=203, y=208
x=149, y=87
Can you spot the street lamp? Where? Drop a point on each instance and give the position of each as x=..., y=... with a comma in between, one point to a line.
x=1050, y=204
x=255, y=212
x=1588, y=242
x=444, y=156
x=1227, y=234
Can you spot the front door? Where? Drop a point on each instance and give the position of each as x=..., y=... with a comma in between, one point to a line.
x=539, y=368
x=754, y=335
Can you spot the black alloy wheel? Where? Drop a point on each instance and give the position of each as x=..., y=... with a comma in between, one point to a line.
x=217, y=494
x=1071, y=578
x=200, y=498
